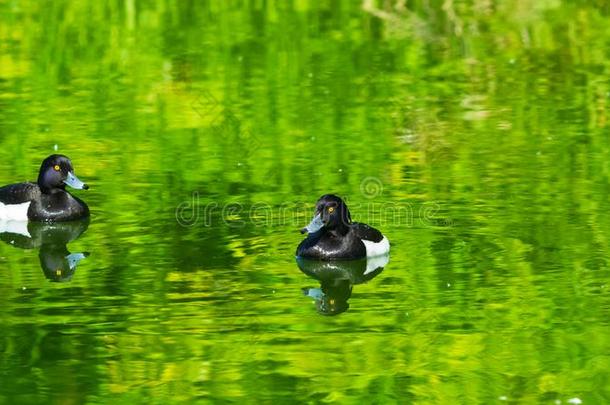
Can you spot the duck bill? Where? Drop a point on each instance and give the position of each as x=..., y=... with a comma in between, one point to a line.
x=74, y=258
x=74, y=182
x=314, y=226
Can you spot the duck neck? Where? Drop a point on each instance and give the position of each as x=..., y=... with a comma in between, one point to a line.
x=50, y=190
x=340, y=230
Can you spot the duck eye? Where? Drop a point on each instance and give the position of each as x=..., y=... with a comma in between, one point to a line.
x=56, y=168
x=331, y=210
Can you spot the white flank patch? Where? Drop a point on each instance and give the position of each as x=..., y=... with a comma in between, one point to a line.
x=18, y=227
x=376, y=262
x=14, y=212
x=14, y=218
x=377, y=248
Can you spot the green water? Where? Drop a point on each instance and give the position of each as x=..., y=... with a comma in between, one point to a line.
x=474, y=134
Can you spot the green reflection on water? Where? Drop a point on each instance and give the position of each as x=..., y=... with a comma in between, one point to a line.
x=474, y=134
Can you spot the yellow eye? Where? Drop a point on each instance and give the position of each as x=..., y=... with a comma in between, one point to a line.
x=330, y=210
x=56, y=168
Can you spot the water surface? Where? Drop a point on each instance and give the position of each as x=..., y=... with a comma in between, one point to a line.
x=475, y=136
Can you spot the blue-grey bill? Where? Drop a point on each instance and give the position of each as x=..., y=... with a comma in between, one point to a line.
x=74, y=182
x=74, y=258
x=315, y=225
x=315, y=293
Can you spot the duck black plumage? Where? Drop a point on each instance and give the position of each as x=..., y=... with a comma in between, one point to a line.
x=333, y=235
x=47, y=198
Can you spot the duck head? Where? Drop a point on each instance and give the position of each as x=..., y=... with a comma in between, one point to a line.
x=331, y=214
x=56, y=172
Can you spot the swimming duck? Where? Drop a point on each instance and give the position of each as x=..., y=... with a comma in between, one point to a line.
x=333, y=235
x=47, y=199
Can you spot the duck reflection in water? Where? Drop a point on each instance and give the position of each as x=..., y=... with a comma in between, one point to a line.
x=57, y=263
x=336, y=280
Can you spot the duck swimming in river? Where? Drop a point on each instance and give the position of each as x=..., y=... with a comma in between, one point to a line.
x=333, y=235
x=47, y=199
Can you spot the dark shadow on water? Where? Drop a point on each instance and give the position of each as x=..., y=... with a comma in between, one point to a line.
x=51, y=240
x=337, y=279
